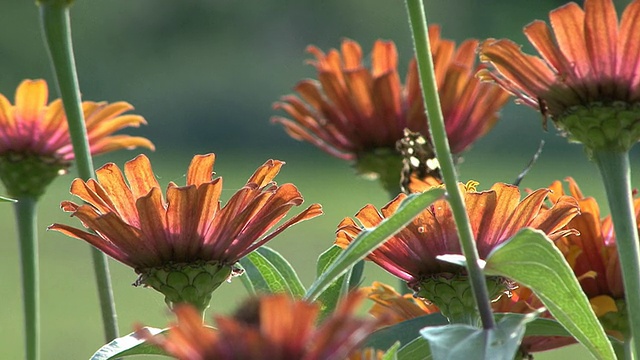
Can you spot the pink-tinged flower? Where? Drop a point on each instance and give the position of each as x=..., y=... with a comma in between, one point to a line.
x=593, y=255
x=496, y=215
x=186, y=245
x=35, y=145
x=358, y=113
x=522, y=301
x=396, y=308
x=274, y=327
x=588, y=76
x=390, y=305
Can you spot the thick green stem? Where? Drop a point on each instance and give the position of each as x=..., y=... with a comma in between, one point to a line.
x=419, y=30
x=25, y=210
x=54, y=18
x=615, y=171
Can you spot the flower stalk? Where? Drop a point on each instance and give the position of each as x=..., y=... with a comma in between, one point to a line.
x=615, y=171
x=56, y=28
x=418, y=23
x=25, y=210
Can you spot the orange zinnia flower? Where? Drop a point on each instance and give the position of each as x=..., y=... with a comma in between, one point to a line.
x=522, y=301
x=275, y=327
x=394, y=307
x=188, y=233
x=587, y=79
x=36, y=146
x=358, y=114
x=495, y=215
x=593, y=255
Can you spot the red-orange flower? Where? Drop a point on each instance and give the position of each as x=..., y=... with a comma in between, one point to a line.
x=187, y=233
x=587, y=79
x=280, y=328
x=34, y=136
x=355, y=113
x=593, y=255
x=394, y=307
x=522, y=301
x=495, y=215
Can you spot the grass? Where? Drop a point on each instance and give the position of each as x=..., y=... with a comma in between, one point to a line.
x=70, y=319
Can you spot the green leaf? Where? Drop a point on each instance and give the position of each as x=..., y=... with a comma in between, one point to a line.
x=6, y=199
x=465, y=342
x=331, y=295
x=264, y=277
x=392, y=353
x=550, y=327
x=404, y=332
x=532, y=260
x=417, y=349
x=370, y=239
x=285, y=269
x=129, y=345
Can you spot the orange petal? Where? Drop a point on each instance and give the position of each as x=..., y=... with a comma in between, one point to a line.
x=541, y=38
x=200, y=169
x=629, y=47
x=601, y=31
x=140, y=176
x=111, y=179
x=31, y=99
x=182, y=221
x=153, y=223
x=384, y=58
x=568, y=26
x=266, y=173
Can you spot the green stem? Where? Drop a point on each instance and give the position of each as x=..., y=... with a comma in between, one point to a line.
x=54, y=17
x=419, y=30
x=25, y=210
x=615, y=171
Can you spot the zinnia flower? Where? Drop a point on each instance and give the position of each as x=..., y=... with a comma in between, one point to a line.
x=358, y=114
x=395, y=308
x=588, y=77
x=593, y=255
x=35, y=146
x=187, y=245
x=274, y=327
x=496, y=215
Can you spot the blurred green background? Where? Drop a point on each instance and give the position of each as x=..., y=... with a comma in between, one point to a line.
x=205, y=74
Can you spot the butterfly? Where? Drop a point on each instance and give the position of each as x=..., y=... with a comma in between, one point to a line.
x=420, y=167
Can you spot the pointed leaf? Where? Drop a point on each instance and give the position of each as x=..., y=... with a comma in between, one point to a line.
x=465, y=342
x=128, y=345
x=404, y=332
x=331, y=295
x=532, y=260
x=264, y=277
x=370, y=239
x=416, y=349
x=285, y=269
x=392, y=353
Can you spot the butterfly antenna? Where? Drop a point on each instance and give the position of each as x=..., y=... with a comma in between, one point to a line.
x=533, y=160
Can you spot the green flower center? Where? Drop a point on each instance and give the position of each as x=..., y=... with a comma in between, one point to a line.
x=28, y=175
x=612, y=126
x=191, y=283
